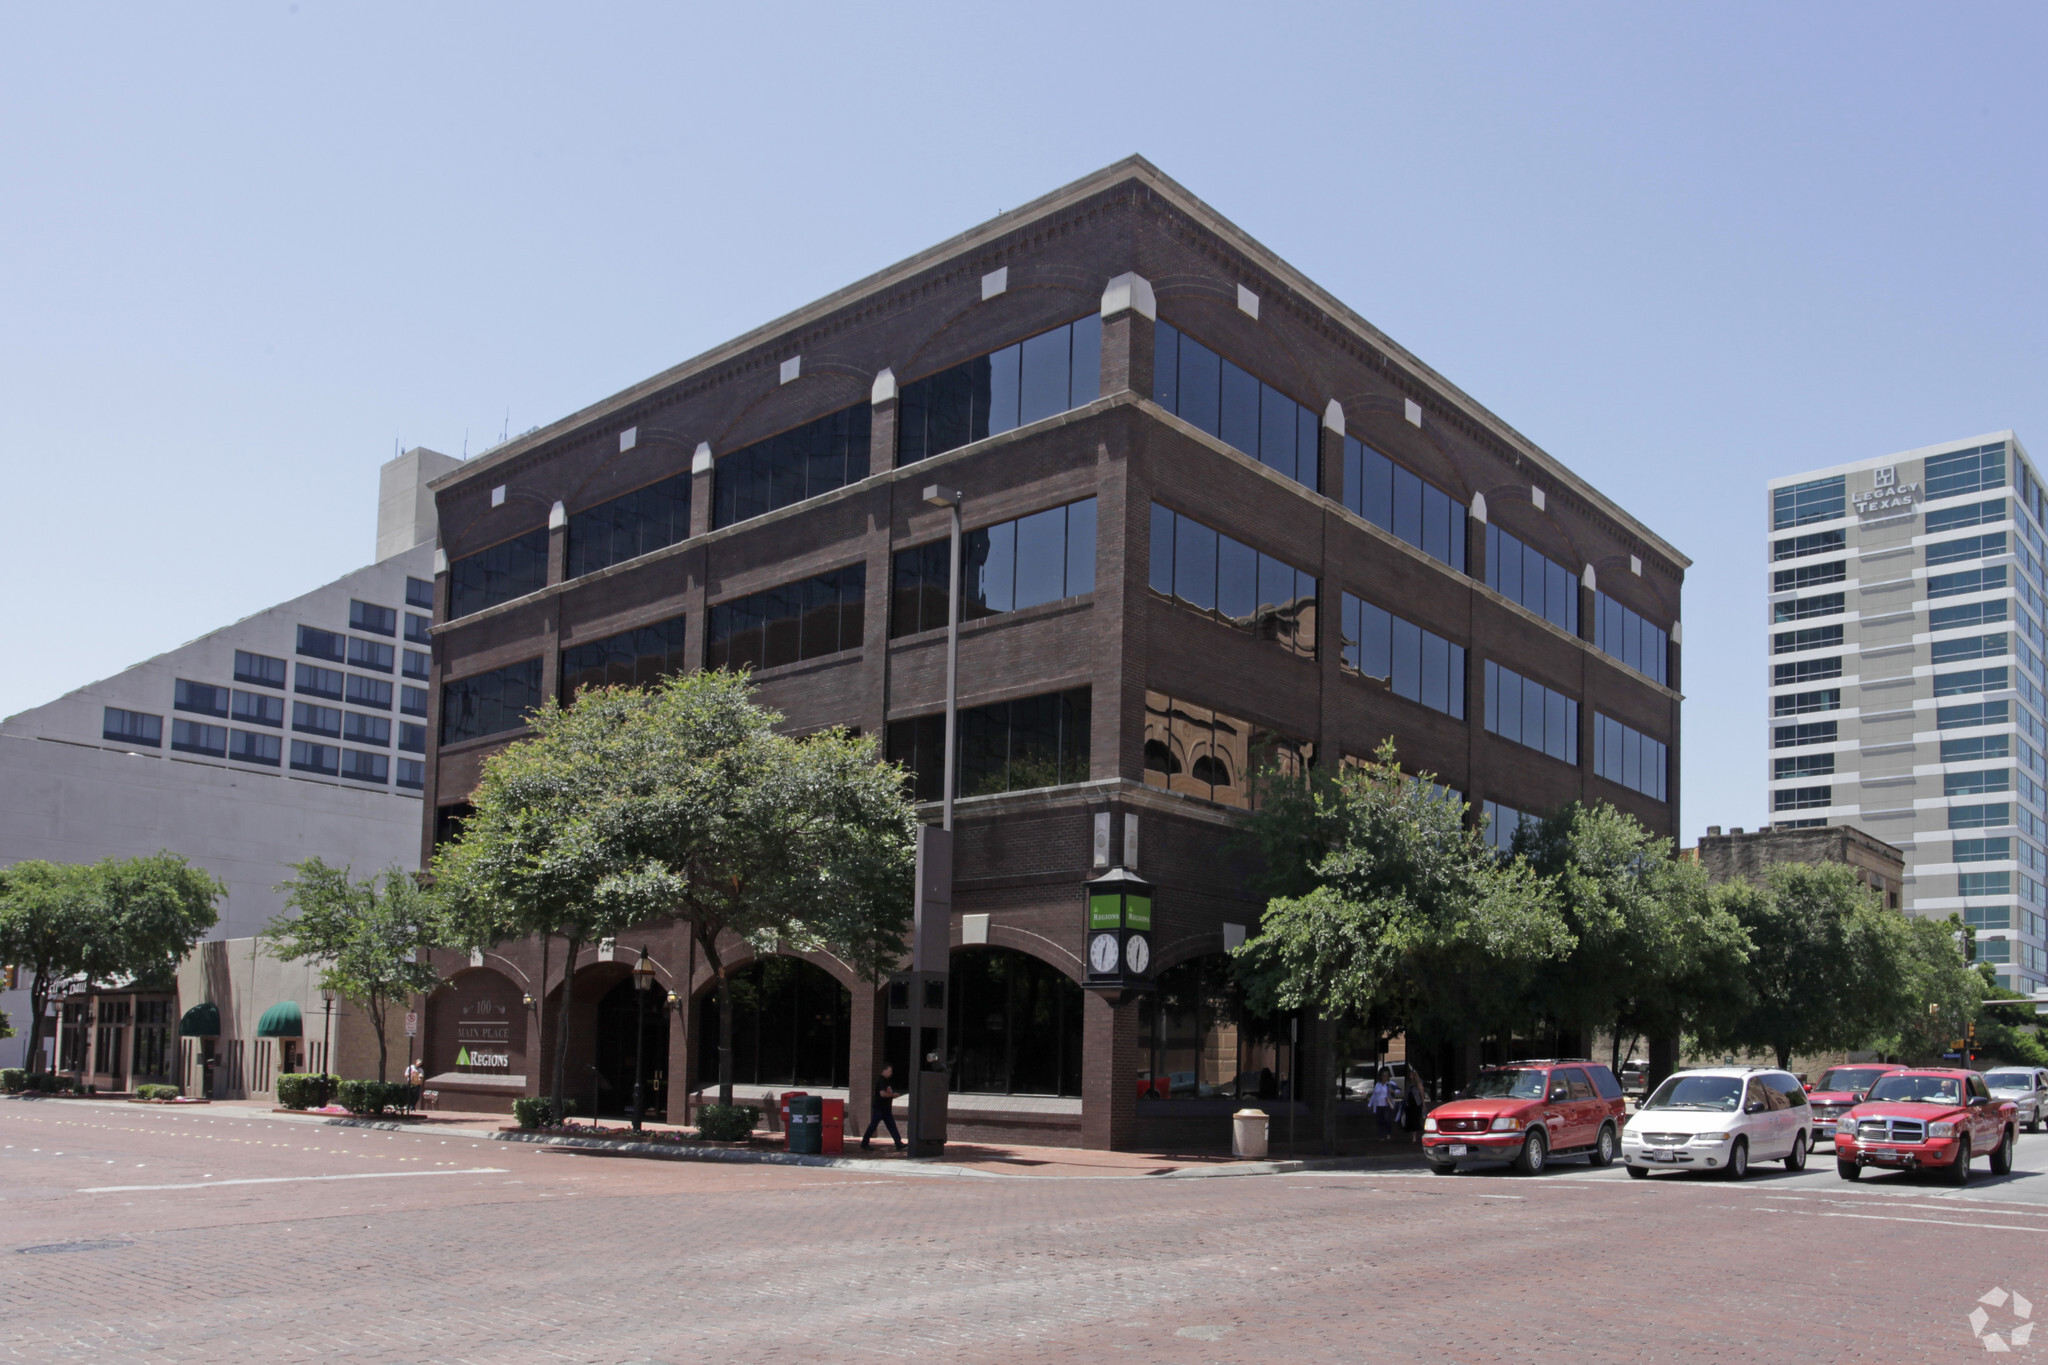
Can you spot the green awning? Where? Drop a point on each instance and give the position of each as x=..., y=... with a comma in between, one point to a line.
x=281, y=1021
x=201, y=1021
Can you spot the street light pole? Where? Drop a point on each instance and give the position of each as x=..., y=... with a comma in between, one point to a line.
x=327, y=1031
x=643, y=977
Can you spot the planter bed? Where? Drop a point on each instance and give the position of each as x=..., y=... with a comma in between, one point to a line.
x=180, y=1100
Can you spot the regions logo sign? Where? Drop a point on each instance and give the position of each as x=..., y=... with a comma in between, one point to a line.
x=467, y=1058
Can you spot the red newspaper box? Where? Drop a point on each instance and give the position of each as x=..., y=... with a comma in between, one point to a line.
x=834, y=1127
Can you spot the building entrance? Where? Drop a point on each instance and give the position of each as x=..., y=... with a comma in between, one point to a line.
x=791, y=1026
x=621, y=1013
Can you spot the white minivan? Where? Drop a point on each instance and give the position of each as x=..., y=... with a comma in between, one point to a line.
x=1720, y=1119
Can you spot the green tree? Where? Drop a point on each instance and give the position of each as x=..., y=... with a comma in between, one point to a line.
x=1653, y=953
x=117, y=919
x=714, y=817
x=1943, y=994
x=1828, y=968
x=531, y=858
x=371, y=938
x=1412, y=919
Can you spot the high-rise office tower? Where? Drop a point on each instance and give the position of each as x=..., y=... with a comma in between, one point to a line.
x=1906, y=676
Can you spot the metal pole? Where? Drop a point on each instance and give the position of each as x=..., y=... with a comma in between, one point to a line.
x=952, y=668
x=639, y=1046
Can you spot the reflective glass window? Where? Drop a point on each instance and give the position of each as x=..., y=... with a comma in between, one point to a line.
x=1521, y=573
x=1624, y=634
x=322, y=644
x=197, y=737
x=489, y=703
x=358, y=728
x=365, y=767
x=1012, y=565
x=1235, y=406
x=1637, y=761
x=1204, y=569
x=1805, y=503
x=260, y=669
x=204, y=698
x=412, y=773
x=369, y=692
x=259, y=708
x=1008, y=746
x=251, y=746
x=1965, y=471
x=419, y=592
x=315, y=681
x=371, y=654
x=1211, y=754
x=1528, y=713
x=317, y=720
x=308, y=757
x=789, y=623
x=1036, y=378
x=1414, y=663
x=372, y=618
x=509, y=569
x=640, y=522
x=632, y=658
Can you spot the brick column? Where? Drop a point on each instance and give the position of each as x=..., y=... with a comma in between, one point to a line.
x=882, y=429
x=866, y=1040
x=1109, y=1070
x=1128, y=312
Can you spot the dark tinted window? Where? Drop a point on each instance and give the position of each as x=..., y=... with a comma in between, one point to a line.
x=1969, y=647
x=358, y=728
x=317, y=720
x=1803, y=798
x=1955, y=518
x=260, y=669
x=259, y=708
x=1202, y=568
x=1581, y=1088
x=1214, y=755
x=1235, y=406
x=640, y=522
x=1009, y=746
x=314, y=681
x=510, y=569
x=412, y=773
x=1817, y=543
x=632, y=658
x=1969, y=614
x=252, y=747
x=308, y=757
x=369, y=692
x=1604, y=1082
x=998, y=392
x=412, y=738
x=1801, y=703
x=197, y=737
x=1803, y=504
x=412, y=700
x=419, y=592
x=801, y=463
x=418, y=628
x=1813, y=732
x=489, y=703
x=204, y=698
x=1965, y=471
x=371, y=654
x=375, y=619
x=418, y=663
x=1805, y=608
x=1813, y=637
x=1415, y=663
x=1969, y=547
x=1525, y=711
x=1524, y=574
x=1405, y=504
x=1630, y=637
x=365, y=767
x=1802, y=765
x=1806, y=670
x=802, y=620
x=1809, y=575
x=1628, y=756
x=1007, y=567
x=322, y=644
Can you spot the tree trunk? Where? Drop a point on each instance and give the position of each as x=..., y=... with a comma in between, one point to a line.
x=377, y=1023
x=1784, y=1057
x=724, y=988
x=562, y=1027
x=540, y=1006
x=39, y=1004
x=1326, y=1072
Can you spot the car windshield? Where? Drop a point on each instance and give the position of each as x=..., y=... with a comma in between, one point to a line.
x=2009, y=1080
x=1697, y=1092
x=1925, y=1089
x=1847, y=1078
x=1517, y=1084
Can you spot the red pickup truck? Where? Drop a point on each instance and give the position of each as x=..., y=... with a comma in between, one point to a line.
x=1927, y=1119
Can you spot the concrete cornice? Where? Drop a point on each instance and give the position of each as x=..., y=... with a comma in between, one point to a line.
x=1135, y=170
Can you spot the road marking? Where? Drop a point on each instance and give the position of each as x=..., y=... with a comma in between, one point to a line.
x=1935, y=1222
x=292, y=1180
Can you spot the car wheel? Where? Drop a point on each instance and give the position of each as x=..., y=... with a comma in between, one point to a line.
x=1535, y=1151
x=1639, y=1172
x=1738, y=1161
x=1848, y=1170
x=1795, y=1160
x=2001, y=1156
x=1443, y=1168
x=1959, y=1170
x=1603, y=1150
x=2034, y=1124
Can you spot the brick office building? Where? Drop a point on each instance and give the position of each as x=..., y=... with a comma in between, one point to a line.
x=1215, y=519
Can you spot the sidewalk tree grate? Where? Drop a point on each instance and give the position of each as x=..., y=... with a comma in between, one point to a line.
x=53, y=1248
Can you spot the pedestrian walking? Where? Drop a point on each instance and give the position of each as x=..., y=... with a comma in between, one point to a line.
x=1414, y=1101
x=879, y=1111
x=1382, y=1104
x=415, y=1077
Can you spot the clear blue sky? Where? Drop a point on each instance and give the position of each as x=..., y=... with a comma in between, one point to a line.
x=244, y=249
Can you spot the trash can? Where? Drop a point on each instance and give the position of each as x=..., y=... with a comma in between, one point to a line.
x=806, y=1124
x=1248, y=1133
x=833, y=1128
x=780, y=1109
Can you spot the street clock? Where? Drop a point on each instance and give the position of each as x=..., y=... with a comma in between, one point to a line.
x=1118, y=925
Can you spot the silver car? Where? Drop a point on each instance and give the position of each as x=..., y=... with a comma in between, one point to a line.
x=2025, y=1086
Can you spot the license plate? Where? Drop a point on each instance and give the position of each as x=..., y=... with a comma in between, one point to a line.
x=1890, y=1158
x=1659, y=1156
x=1457, y=1149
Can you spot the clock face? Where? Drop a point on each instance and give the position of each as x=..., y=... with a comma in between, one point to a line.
x=1102, y=953
x=1137, y=952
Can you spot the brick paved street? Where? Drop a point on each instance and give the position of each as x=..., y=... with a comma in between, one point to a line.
x=127, y=1238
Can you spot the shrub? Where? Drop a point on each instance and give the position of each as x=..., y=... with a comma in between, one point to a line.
x=156, y=1092
x=534, y=1111
x=13, y=1079
x=727, y=1122
x=306, y=1090
x=50, y=1083
x=373, y=1097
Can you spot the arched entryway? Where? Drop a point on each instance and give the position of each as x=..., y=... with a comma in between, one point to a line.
x=630, y=1023
x=791, y=1026
x=1015, y=1025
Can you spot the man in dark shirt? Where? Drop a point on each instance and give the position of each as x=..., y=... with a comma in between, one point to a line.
x=878, y=1110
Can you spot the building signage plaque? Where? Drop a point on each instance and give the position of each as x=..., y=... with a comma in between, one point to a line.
x=1886, y=495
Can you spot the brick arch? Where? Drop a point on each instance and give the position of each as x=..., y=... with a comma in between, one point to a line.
x=813, y=394
x=1046, y=949
x=1010, y=316
x=1214, y=319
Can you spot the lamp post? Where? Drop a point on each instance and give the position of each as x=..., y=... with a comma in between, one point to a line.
x=643, y=980
x=327, y=1030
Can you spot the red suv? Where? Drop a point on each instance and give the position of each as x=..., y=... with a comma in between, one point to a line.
x=1838, y=1090
x=1527, y=1112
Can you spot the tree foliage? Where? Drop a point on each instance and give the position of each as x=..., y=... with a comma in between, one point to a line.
x=1829, y=968
x=371, y=938
x=117, y=919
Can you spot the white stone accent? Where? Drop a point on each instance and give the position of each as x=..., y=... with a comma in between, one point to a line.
x=884, y=390
x=1247, y=301
x=1677, y=632
x=992, y=284
x=1102, y=838
x=1130, y=291
x=476, y=957
x=1233, y=937
x=629, y=438
x=558, y=517
x=1536, y=496
x=700, y=463
x=1590, y=579
x=440, y=562
x=792, y=367
x=498, y=496
x=1131, y=841
x=607, y=949
x=1635, y=565
x=1412, y=410
x=974, y=929
x=1479, y=508
x=1333, y=416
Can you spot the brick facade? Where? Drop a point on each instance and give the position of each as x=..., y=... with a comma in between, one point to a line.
x=1021, y=857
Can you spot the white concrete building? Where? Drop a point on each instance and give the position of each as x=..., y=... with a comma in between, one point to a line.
x=298, y=731
x=1906, y=610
